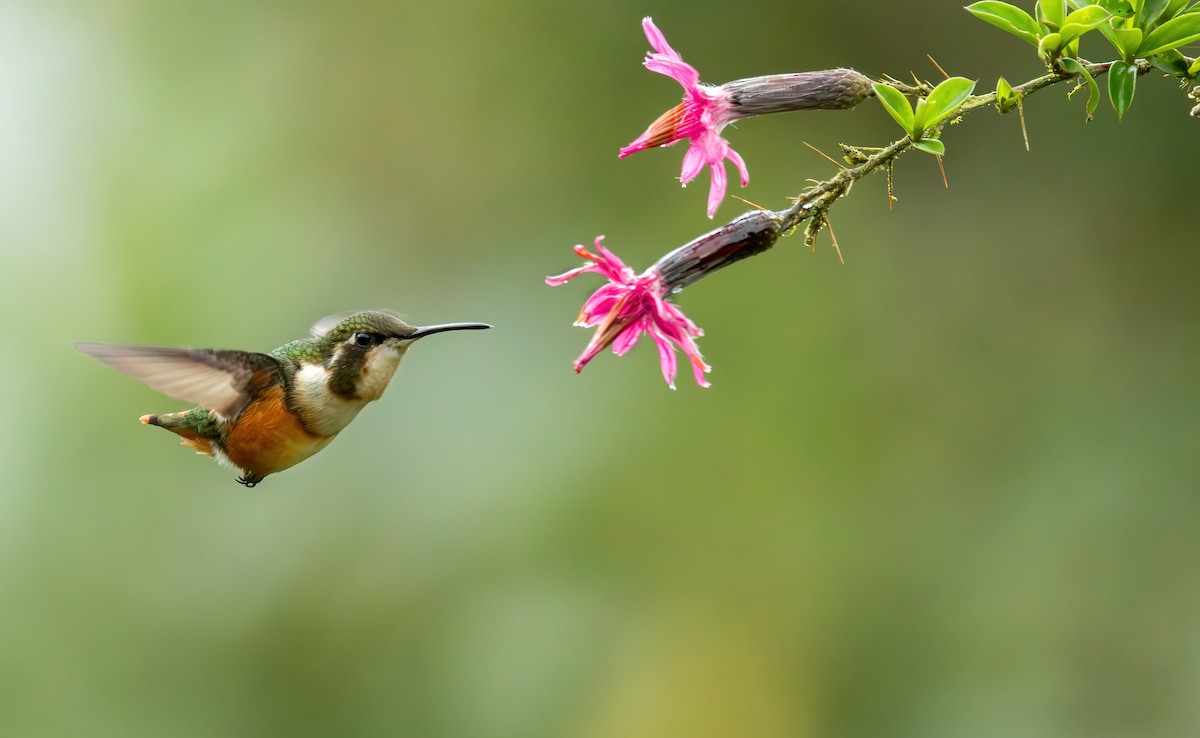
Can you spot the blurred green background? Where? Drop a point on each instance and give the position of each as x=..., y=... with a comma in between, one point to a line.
x=947, y=489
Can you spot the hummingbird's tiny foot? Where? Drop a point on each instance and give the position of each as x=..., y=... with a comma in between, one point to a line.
x=249, y=481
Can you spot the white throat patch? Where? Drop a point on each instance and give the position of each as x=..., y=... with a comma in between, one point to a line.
x=378, y=370
x=326, y=413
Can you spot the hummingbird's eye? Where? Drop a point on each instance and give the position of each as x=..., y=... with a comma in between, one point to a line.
x=364, y=339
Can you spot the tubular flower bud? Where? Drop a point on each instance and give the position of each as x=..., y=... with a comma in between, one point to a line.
x=828, y=89
x=631, y=304
x=707, y=109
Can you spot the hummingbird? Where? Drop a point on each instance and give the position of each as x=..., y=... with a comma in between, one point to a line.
x=262, y=413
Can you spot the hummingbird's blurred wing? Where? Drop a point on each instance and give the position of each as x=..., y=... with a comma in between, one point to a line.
x=224, y=381
x=329, y=322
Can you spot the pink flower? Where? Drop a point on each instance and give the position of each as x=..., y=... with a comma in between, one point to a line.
x=705, y=110
x=628, y=306
x=632, y=304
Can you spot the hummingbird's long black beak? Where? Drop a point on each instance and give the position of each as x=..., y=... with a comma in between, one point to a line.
x=431, y=329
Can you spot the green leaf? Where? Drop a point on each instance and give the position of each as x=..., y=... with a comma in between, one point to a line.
x=1173, y=8
x=1107, y=30
x=1122, y=77
x=943, y=101
x=896, y=105
x=930, y=146
x=1127, y=41
x=1050, y=46
x=1073, y=66
x=1195, y=68
x=1091, y=15
x=1171, y=62
x=1149, y=12
x=1008, y=18
x=1119, y=8
x=1082, y=21
x=1052, y=13
x=1172, y=34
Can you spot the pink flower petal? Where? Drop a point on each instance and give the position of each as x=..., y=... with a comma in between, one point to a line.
x=739, y=163
x=716, y=191
x=615, y=269
x=666, y=357
x=589, y=352
x=595, y=311
x=556, y=280
x=639, y=144
x=693, y=163
x=699, y=369
x=626, y=339
x=677, y=69
x=666, y=324
x=657, y=40
x=605, y=263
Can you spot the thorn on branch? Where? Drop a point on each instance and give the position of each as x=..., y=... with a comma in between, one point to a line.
x=891, y=182
x=754, y=205
x=833, y=238
x=939, y=66
x=1024, y=131
x=825, y=156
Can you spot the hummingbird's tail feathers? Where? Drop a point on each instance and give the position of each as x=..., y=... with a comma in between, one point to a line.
x=188, y=425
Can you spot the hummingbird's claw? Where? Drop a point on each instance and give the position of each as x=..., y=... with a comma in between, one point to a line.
x=250, y=480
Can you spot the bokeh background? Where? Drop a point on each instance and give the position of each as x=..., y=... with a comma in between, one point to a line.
x=947, y=489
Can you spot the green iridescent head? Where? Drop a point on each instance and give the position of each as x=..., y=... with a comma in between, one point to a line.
x=337, y=328
x=356, y=341
x=379, y=325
